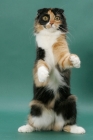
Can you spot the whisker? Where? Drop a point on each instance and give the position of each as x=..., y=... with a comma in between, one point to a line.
x=68, y=38
x=67, y=33
x=71, y=35
x=63, y=29
x=70, y=27
x=31, y=33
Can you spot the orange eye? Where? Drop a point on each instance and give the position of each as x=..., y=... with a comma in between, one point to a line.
x=57, y=18
x=45, y=18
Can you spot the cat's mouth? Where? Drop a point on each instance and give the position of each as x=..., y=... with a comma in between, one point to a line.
x=51, y=27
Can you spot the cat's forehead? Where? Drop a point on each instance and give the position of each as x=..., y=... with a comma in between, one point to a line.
x=50, y=11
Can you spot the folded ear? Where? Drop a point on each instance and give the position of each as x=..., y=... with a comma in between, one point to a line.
x=62, y=11
x=40, y=11
x=58, y=10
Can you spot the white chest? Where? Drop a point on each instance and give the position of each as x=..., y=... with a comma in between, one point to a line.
x=45, y=40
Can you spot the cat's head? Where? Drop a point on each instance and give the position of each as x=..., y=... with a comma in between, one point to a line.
x=50, y=19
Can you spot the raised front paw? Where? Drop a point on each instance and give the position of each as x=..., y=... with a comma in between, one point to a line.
x=75, y=61
x=42, y=74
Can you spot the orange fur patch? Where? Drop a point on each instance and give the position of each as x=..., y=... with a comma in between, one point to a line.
x=67, y=128
x=38, y=27
x=38, y=103
x=61, y=52
x=56, y=128
x=52, y=16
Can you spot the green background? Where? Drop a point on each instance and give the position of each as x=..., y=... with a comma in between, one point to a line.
x=17, y=55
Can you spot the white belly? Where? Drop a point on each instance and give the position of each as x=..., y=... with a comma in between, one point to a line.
x=55, y=80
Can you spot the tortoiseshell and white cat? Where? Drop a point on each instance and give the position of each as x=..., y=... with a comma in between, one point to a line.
x=53, y=106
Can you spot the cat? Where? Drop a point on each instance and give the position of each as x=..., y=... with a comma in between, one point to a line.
x=53, y=106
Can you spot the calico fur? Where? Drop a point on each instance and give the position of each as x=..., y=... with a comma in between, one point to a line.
x=53, y=106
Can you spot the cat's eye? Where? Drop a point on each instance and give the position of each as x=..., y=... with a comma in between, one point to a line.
x=45, y=18
x=57, y=18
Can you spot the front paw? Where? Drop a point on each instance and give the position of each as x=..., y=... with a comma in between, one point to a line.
x=75, y=61
x=42, y=74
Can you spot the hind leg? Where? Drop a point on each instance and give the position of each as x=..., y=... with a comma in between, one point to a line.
x=68, y=111
x=71, y=116
x=40, y=118
x=59, y=126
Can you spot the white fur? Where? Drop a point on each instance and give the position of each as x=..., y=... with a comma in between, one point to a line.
x=59, y=122
x=45, y=39
x=42, y=74
x=25, y=128
x=44, y=121
x=55, y=80
x=50, y=58
x=75, y=61
x=77, y=129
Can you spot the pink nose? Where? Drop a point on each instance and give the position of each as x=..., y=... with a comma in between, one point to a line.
x=51, y=22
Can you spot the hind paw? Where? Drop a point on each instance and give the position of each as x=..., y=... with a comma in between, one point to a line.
x=74, y=129
x=25, y=128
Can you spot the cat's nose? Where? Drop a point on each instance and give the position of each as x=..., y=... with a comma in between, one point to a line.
x=51, y=22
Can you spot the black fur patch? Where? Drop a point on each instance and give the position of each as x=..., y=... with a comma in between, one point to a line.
x=40, y=53
x=41, y=12
x=66, y=104
x=41, y=21
x=36, y=110
x=57, y=11
x=67, y=108
x=43, y=94
x=64, y=93
x=66, y=75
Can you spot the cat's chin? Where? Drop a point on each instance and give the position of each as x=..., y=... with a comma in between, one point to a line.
x=52, y=29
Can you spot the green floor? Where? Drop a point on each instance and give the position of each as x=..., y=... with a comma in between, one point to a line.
x=17, y=54
x=9, y=122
